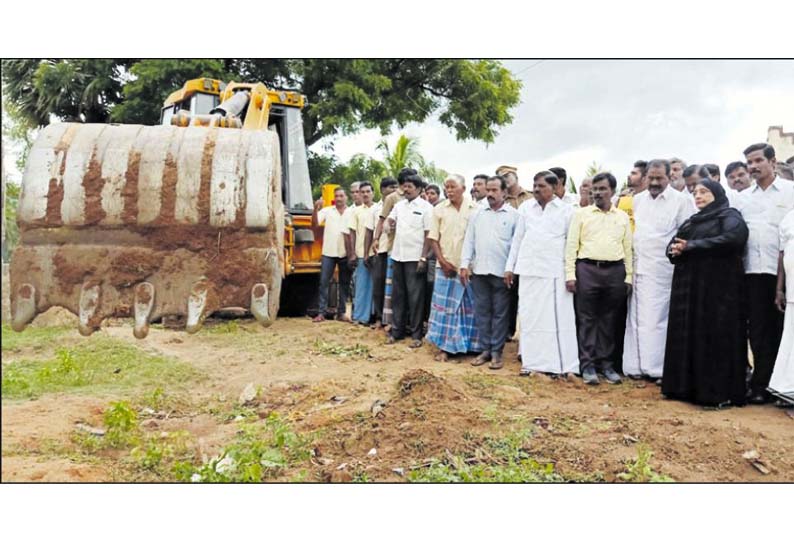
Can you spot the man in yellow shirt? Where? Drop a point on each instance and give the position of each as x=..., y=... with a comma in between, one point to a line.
x=451, y=325
x=598, y=268
x=357, y=223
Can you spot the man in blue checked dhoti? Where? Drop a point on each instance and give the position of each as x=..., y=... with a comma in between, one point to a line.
x=451, y=327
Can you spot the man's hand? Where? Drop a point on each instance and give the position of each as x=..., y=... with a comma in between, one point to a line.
x=421, y=266
x=570, y=285
x=374, y=246
x=351, y=262
x=780, y=300
x=369, y=262
x=628, y=289
x=509, y=279
x=448, y=269
x=318, y=204
x=464, y=276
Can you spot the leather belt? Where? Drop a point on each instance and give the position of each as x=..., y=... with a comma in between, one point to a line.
x=600, y=263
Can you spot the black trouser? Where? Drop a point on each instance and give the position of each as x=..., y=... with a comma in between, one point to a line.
x=491, y=307
x=513, y=310
x=620, y=336
x=600, y=295
x=766, y=328
x=408, y=300
x=431, y=282
x=328, y=264
x=378, y=270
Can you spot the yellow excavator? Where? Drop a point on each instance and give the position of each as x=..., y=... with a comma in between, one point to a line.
x=210, y=209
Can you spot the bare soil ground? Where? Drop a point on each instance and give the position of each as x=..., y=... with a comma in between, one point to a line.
x=324, y=380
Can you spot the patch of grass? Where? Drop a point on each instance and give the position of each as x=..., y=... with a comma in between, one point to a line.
x=98, y=364
x=640, y=470
x=223, y=328
x=259, y=452
x=499, y=459
x=31, y=337
x=158, y=453
x=334, y=349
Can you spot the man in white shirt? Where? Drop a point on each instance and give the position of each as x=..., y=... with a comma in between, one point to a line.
x=763, y=206
x=561, y=188
x=677, y=167
x=412, y=219
x=545, y=308
x=478, y=190
x=358, y=220
x=737, y=176
x=658, y=213
x=378, y=259
x=486, y=247
x=334, y=253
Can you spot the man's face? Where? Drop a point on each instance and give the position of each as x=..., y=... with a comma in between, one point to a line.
x=479, y=189
x=635, y=179
x=585, y=190
x=691, y=182
x=410, y=190
x=453, y=190
x=739, y=179
x=340, y=198
x=543, y=191
x=676, y=171
x=602, y=194
x=366, y=195
x=432, y=197
x=657, y=181
x=356, y=194
x=494, y=193
x=558, y=189
x=760, y=166
x=388, y=190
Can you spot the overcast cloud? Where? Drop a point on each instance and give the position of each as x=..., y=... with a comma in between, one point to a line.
x=614, y=112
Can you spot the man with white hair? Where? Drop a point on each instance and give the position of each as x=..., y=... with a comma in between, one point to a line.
x=355, y=192
x=451, y=325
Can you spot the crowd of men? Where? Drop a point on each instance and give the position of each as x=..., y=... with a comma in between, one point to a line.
x=581, y=280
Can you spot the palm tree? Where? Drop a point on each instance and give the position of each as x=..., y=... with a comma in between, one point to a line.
x=405, y=154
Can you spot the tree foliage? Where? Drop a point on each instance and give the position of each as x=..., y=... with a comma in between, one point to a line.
x=472, y=98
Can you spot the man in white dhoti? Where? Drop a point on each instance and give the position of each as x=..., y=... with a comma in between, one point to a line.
x=782, y=381
x=546, y=317
x=658, y=213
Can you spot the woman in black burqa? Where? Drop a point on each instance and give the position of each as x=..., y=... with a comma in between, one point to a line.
x=706, y=355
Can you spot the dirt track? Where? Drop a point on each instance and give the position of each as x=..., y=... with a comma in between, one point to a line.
x=432, y=410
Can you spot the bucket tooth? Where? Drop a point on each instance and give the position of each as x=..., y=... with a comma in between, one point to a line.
x=259, y=304
x=143, y=305
x=89, y=303
x=25, y=307
x=197, y=305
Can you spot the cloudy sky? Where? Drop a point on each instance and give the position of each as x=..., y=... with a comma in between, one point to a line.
x=614, y=112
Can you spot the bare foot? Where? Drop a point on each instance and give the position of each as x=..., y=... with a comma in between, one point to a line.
x=318, y=318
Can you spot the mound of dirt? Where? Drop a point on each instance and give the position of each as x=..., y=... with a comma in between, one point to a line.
x=55, y=316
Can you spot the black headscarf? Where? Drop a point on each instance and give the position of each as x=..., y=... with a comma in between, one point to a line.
x=713, y=210
x=716, y=207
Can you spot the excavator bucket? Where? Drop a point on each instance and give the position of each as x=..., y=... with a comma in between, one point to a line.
x=149, y=221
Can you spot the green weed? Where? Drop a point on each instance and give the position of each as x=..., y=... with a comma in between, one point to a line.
x=333, y=349
x=259, y=452
x=99, y=364
x=31, y=337
x=640, y=470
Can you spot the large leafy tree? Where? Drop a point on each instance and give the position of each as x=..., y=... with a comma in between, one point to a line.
x=471, y=97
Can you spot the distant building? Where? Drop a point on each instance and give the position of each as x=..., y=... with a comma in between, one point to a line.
x=783, y=143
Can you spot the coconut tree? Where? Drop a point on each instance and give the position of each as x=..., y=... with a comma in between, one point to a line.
x=405, y=154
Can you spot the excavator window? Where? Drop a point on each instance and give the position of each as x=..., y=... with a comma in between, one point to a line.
x=296, y=186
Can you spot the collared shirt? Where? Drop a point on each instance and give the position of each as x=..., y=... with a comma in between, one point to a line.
x=448, y=227
x=598, y=235
x=333, y=234
x=538, y=247
x=763, y=211
x=657, y=221
x=384, y=244
x=390, y=201
x=357, y=222
x=626, y=204
x=488, y=238
x=413, y=220
x=516, y=201
x=787, y=247
x=571, y=199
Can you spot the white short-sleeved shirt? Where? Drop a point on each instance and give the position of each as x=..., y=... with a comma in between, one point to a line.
x=333, y=234
x=358, y=221
x=538, y=246
x=413, y=220
x=763, y=211
x=787, y=247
